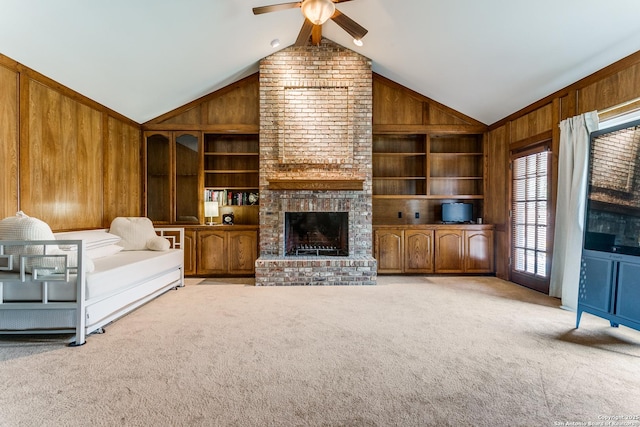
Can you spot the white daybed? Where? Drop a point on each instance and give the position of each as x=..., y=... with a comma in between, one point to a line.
x=73, y=290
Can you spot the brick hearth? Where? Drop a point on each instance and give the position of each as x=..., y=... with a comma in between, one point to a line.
x=315, y=150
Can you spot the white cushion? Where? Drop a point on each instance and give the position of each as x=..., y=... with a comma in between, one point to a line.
x=158, y=244
x=92, y=238
x=134, y=232
x=23, y=227
x=103, y=251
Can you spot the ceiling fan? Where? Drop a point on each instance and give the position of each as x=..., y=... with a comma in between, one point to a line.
x=316, y=13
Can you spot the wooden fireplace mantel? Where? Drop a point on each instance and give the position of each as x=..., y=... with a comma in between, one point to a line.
x=316, y=184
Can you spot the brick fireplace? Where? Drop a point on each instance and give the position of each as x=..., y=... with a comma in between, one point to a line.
x=315, y=157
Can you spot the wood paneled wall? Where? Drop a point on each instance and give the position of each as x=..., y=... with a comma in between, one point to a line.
x=66, y=159
x=611, y=91
x=8, y=141
x=497, y=195
x=232, y=108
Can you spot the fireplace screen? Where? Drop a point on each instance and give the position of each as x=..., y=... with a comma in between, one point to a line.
x=316, y=233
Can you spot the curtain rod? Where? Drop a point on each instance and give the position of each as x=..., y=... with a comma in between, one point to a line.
x=616, y=107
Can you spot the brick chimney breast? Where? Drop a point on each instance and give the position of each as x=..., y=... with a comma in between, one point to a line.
x=315, y=133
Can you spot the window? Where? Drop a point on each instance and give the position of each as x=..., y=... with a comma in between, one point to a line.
x=529, y=217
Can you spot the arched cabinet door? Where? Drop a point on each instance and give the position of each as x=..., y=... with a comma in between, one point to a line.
x=449, y=249
x=418, y=247
x=212, y=252
x=243, y=251
x=389, y=250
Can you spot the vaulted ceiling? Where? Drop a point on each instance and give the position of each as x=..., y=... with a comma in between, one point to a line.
x=484, y=58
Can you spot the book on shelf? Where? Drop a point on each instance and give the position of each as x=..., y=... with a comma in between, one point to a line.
x=231, y=198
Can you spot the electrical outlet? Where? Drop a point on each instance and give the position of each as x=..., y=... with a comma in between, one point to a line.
x=399, y=214
x=417, y=215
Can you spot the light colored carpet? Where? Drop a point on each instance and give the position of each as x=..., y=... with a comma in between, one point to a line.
x=411, y=351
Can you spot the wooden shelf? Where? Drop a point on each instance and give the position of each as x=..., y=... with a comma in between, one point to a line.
x=213, y=170
x=391, y=178
x=227, y=153
x=455, y=154
x=398, y=154
x=430, y=196
x=448, y=178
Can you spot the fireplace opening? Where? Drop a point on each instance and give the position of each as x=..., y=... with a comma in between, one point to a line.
x=316, y=233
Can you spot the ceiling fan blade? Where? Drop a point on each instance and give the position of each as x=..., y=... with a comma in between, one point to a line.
x=305, y=33
x=356, y=30
x=276, y=7
x=340, y=1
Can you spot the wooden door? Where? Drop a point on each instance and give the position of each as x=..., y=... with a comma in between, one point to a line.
x=531, y=231
x=478, y=251
x=243, y=251
x=211, y=252
x=418, y=248
x=449, y=254
x=389, y=250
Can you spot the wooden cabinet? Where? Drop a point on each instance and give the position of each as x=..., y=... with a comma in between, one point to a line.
x=434, y=248
x=463, y=250
x=224, y=251
x=173, y=165
x=404, y=251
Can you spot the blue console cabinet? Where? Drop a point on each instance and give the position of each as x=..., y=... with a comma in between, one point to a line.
x=610, y=288
x=610, y=271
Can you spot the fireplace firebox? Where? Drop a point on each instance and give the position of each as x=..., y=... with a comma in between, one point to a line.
x=316, y=233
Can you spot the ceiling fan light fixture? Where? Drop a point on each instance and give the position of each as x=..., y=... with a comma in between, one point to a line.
x=318, y=11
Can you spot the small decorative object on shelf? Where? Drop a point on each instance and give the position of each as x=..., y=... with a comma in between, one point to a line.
x=253, y=198
x=227, y=218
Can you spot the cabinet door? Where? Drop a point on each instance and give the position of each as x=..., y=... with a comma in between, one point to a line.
x=449, y=254
x=628, y=291
x=389, y=250
x=478, y=251
x=158, y=178
x=189, y=248
x=187, y=178
x=212, y=252
x=243, y=251
x=596, y=281
x=418, y=248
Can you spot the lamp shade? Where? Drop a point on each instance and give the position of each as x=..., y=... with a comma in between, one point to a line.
x=211, y=209
x=318, y=11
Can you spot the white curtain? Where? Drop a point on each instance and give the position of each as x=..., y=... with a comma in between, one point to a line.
x=572, y=186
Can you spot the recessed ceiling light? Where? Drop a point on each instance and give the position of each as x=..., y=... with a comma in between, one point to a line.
x=358, y=42
x=275, y=43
